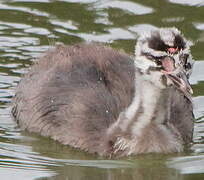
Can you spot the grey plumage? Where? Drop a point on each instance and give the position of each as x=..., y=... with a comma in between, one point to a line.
x=99, y=100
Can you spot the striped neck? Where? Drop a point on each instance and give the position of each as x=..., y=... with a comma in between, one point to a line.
x=149, y=105
x=145, y=118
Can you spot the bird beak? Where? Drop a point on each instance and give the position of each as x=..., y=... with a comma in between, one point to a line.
x=177, y=76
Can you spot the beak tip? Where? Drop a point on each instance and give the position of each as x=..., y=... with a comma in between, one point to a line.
x=181, y=82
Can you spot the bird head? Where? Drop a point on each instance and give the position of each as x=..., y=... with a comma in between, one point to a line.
x=166, y=52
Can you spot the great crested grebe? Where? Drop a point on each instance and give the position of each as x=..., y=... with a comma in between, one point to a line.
x=103, y=101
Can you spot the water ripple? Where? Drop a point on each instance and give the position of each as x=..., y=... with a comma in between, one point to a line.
x=111, y=35
x=197, y=74
x=127, y=6
x=39, y=31
x=17, y=41
x=188, y=2
x=23, y=9
x=27, y=26
x=68, y=24
x=188, y=164
x=14, y=25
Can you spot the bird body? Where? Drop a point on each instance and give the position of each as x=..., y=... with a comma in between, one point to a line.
x=103, y=101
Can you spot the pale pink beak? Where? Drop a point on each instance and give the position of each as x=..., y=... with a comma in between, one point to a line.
x=177, y=76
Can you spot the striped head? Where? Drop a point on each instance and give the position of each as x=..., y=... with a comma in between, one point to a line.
x=166, y=52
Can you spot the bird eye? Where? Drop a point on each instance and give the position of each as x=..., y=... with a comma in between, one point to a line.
x=158, y=60
x=172, y=50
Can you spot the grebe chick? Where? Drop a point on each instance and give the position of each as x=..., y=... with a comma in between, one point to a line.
x=103, y=101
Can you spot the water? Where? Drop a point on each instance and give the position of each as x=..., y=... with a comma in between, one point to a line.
x=29, y=27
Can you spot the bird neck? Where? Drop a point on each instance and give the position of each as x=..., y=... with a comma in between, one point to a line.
x=144, y=125
x=150, y=104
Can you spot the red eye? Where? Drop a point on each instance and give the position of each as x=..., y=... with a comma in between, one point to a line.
x=172, y=50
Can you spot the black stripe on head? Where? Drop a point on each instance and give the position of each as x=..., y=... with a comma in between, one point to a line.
x=179, y=42
x=156, y=43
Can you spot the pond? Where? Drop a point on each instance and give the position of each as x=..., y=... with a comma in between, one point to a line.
x=30, y=27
